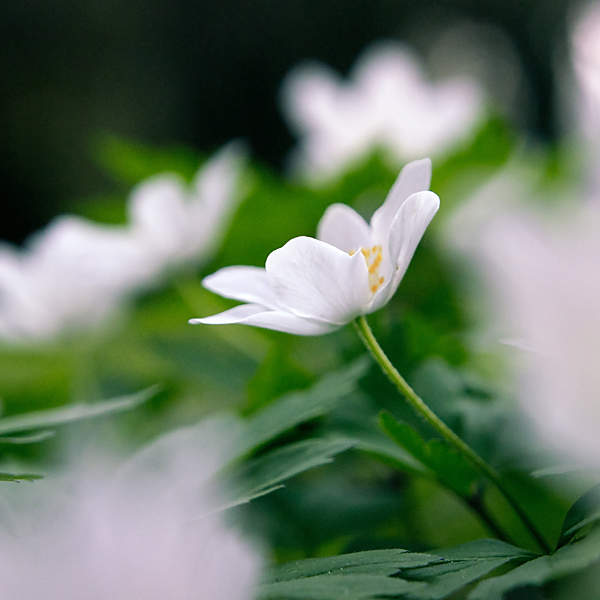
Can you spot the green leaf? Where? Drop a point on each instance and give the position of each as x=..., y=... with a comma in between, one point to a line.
x=448, y=467
x=298, y=407
x=131, y=162
x=584, y=511
x=338, y=587
x=571, y=558
x=20, y=477
x=384, y=450
x=372, y=574
x=384, y=561
x=264, y=474
x=74, y=412
x=27, y=439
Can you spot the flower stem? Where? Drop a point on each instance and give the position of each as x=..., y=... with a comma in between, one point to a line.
x=430, y=417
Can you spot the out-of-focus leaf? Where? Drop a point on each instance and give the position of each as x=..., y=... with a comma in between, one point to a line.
x=571, y=558
x=131, y=162
x=277, y=375
x=584, y=511
x=366, y=575
x=467, y=168
x=20, y=477
x=27, y=439
x=261, y=475
x=448, y=467
x=76, y=412
x=384, y=449
x=298, y=407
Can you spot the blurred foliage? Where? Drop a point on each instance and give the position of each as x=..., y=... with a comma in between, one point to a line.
x=302, y=401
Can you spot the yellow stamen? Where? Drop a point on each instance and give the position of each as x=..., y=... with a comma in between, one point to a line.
x=373, y=258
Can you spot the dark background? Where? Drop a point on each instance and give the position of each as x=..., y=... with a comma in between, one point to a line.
x=202, y=72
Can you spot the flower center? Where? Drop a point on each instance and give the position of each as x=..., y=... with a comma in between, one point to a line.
x=373, y=257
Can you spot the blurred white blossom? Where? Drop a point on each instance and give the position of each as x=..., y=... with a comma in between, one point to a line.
x=547, y=287
x=586, y=59
x=75, y=272
x=149, y=530
x=387, y=103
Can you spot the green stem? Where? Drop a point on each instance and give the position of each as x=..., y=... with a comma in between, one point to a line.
x=430, y=417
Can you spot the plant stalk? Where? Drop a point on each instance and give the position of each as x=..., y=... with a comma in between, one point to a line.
x=430, y=417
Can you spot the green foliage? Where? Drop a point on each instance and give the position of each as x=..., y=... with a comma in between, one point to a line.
x=130, y=162
x=442, y=462
x=583, y=512
x=571, y=558
x=262, y=475
x=298, y=407
x=69, y=414
x=400, y=573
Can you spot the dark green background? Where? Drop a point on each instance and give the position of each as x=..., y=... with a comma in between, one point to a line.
x=200, y=72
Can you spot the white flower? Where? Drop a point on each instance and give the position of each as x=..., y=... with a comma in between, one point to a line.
x=547, y=286
x=387, y=103
x=150, y=531
x=586, y=58
x=314, y=286
x=179, y=224
x=75, y=272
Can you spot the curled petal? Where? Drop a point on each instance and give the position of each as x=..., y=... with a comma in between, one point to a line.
x=342, y=227
x=406, y=232
x=258, y=316
x=289, y=323
x=414, y=177
x=246, y=284
x=234, y=315
x=315, y=280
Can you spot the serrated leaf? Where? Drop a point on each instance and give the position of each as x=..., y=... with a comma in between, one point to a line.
x=448, y=467
x=571, y=558
x=298, y=407
x=389, y=560
x=372, y=574
x=337, y=587
x=584, y=511
x=264, y=474
x=73, y=412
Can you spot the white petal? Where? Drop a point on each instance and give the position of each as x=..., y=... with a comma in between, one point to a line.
x=246, y=284
x=414, y=177
x=344, y=228
x=289, y=323
x=216, y=192
x=157, y=207
x=406, y=232
x=234, y=315
x=315, y=280
x=258, y=316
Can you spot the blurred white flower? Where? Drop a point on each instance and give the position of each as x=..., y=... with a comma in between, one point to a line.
x=176, y=223
x=75, y=272
x=388, y=103
x=548, y=289
x=150, y=532
x=314, y=286
x=586, y=59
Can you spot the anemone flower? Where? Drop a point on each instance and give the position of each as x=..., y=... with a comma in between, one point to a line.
x=75, y=273
x=546, y=282
x=314, y=286
x=149, y=529
x=387, y=102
